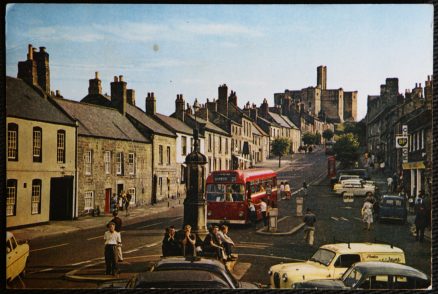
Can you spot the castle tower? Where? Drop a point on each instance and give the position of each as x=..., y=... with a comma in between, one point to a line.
x=118, y=94
x=222, y=103
x=321, y=77
x=180, y=107
x=151, y=104
x=43, y=69
x=95, y=85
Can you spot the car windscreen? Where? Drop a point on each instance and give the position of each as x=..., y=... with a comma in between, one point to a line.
x=351, y=277
x=323, y=256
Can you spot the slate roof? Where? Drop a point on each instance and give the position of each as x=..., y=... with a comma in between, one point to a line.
x=148, y=121
x=175, y=124
x=258, y=130
x=289, y=122
x=279, y=120
x=100, y=121
x=97, y=99
x=25, y=101
x=209, y=126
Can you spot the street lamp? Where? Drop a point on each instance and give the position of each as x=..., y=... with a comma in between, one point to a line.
x=196, y=107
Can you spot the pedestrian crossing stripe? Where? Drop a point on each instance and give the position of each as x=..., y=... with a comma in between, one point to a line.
x=335, y=218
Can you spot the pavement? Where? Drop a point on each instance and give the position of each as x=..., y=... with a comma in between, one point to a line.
x=136, y=215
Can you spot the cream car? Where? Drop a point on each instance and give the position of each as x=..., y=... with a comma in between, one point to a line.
x=331, y=261
x=357, y=187
x=16, y=257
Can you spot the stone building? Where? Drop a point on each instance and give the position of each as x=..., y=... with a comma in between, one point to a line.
x=184, y=139
x=335, y=105
x=165, y=172
x=41, y=156
x=113, y=156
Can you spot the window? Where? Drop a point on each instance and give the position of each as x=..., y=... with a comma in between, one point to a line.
x=11, y=197
x=183, y=174
x=183, y=145
x=88, y=200
x=107, y=161
x=232, y=145
x=60, y=155
x=88, y=162
x=422, y=139
x=12, y=142
x=220, y=164
x=226, y=145
x=209, y=164
x=410, y=142
x=418, y=140
x=37, y=144
x=36, y=197
x=131, y=163
x=209, y=142
x=119, y=161
x=214, y=164
x=226, y=164
x=346, y=260
x=191, y=144
x=131, y=191
x=160, y=154
x=220, y=145
x=168, y=155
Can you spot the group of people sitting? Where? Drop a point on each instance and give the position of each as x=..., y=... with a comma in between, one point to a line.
x=185, y=243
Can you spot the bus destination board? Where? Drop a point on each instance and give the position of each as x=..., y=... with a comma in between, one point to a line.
x=225, y=178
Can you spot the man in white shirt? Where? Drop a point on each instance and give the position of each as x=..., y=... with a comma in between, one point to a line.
x=226, y=241
x=112, y=240
x=389, y=181
x=263, y=209
x=282, y=190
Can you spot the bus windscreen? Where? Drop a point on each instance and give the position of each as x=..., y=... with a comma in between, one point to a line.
x=225, y=192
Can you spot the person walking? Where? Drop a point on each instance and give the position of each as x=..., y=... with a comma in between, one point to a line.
x=305, y=188
x=227, y=242
x=287, y=191
x=188, y=242
x=389, y=184
x=395, y=182
x=420, y=222
x=367, y=214
x=309, y=228
x=120, y=201
x=252, y=214
x=170, y=245
x=128, y=198
x=118, y=228
x=282, y=191
x=112, y=240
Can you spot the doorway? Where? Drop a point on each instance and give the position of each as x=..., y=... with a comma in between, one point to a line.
x=108, y=200
x=61, y=198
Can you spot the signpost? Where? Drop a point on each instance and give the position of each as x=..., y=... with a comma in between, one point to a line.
x=405, y=149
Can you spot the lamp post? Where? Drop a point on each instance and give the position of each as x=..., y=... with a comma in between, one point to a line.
x=195, y=212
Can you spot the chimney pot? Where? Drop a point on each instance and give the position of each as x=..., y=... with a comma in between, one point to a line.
x=115, y=79
x=57, y=93
x=120, y=78
x=152, y=94
x=30, y=52
x=416, y=85
x=96, y=75
x=42, y=49
x=419, y=85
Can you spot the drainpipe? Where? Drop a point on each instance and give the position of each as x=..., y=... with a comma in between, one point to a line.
x=76, y=182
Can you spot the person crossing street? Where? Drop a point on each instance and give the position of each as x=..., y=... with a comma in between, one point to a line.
x=309, y=229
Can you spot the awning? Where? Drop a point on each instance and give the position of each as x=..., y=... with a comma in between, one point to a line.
x=241, y=158
x=414, y=165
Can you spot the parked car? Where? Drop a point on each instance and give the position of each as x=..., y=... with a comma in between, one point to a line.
x=362, y=173
x=357, y=187
x=16, y=257
x=392, y=207
x=171, y=279
x=331, y=261
x=373, y=275
x=198, y=263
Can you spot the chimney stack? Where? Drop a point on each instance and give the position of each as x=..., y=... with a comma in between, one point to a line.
x=233, y=98
x=222, y=106
x=27, y=70
x=43, y=68
x=130, y=96
x=118, y=95
x=151, y=108
x=264, y=108
x=95, y=85
x=180, y=107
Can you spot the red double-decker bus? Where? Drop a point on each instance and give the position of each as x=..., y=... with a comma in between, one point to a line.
x=228, y=194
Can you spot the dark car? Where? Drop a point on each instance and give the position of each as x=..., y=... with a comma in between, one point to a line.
x=204, y=264
x=392, y=207
x=172, y=279
x=362, y=173
x=373, y=275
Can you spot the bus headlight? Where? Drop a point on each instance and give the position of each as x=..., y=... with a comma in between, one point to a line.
x=284, y=277
x=270, y=272
x=241, y=213
x=209, y=213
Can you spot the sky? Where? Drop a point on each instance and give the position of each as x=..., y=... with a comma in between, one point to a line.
x=257, y=50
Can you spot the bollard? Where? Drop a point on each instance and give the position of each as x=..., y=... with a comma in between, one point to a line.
x=299, y=203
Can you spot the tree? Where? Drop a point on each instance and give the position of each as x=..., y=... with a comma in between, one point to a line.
x=309, y=138
x=346, y=149
x=328, y=134
x=358, y=129
x=280, y=147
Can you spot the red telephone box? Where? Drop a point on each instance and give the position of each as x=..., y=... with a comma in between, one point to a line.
x=331, y=167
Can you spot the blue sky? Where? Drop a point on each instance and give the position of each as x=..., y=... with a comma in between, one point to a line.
x=257, y=50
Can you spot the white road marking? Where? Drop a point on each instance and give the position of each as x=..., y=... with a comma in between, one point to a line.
x=79, y=263
x=358, y=218
x=335, y=218
x=130, y=251
x=151, y=245
x=345, y=219
x=45, y=270
x=39, y=249
x=253, y=246
x=347, y=207
x=100, y=236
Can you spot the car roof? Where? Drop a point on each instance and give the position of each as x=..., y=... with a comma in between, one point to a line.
x=179, y=277
x=392, y=197
x=343, y=248
x=395, y=269
x=198, y=261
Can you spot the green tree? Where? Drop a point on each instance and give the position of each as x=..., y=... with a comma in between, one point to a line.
x=309, y=138
x=358, y=129
x=328, y=134
x=280, y=147
x=346, y=149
